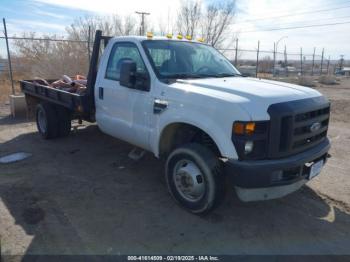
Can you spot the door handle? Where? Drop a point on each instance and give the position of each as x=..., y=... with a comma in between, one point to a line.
x=100, y=92
x=159, y=106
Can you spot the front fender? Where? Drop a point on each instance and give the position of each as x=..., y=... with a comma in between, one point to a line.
x=219, y=133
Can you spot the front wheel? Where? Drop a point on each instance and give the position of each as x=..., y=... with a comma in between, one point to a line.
x=194, y=178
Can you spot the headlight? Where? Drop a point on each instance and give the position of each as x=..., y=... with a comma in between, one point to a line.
x=248, y=148
x=251, y=139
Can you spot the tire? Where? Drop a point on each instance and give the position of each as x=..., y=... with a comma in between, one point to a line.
x=47, y=120
x=194, y=178
x=64, y=121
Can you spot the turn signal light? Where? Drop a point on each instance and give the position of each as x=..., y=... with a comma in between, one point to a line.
x=244, y=128
x=238, y=128
x=250, y=128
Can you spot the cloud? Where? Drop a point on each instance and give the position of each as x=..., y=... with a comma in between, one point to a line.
x=30, y=25
x=50, y=14
x=163, y=12
x=251, y=16
x=155, y=7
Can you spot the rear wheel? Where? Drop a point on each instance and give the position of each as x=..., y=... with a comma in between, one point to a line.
x=47, y=120
x=194, y=178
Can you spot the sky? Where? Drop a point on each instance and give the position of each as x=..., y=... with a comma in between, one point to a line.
x=252, y=18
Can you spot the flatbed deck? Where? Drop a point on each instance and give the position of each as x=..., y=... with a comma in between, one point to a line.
x=80, y=105
x=72, y=101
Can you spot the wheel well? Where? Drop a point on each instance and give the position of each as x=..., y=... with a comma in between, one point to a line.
x=177, y=134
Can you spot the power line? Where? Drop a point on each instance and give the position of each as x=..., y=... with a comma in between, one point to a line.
x=42, y=39
x=294, y=14
x=294, y=27
x=314, y=20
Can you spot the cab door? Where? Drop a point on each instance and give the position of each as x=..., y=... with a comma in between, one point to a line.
x=121, y=111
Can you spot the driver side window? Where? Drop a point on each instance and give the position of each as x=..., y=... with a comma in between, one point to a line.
x=120, y=53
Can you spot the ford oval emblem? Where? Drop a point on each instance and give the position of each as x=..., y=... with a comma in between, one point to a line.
x=315, y=126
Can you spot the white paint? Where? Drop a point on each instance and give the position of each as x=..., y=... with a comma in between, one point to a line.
x=211, y=104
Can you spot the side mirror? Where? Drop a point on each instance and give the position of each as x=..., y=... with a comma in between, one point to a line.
x=128, y=74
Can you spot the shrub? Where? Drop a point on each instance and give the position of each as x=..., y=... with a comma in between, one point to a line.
x=327, y=80
x=306, y=81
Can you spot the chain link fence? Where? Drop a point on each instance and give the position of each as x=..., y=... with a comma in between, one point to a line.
x=52, y=57
x=271, y=64
x=47, y=58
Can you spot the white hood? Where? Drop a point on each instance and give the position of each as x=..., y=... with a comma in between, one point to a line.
x=254, y=93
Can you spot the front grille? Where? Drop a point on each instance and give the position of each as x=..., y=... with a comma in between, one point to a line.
x=297, y=126
x=302, y=135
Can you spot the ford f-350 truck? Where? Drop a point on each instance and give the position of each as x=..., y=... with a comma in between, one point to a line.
x=186, y=103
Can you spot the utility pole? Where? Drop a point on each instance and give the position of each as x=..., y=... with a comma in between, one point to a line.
x=142, y=27
x=8, y=56
x=329, y=60
x=313, y=62
x=236, y=58
x=322, y=61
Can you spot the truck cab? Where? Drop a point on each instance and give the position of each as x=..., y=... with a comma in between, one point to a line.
x=186, y=103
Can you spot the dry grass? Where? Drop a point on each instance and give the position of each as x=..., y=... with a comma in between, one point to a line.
x=265, y=76
x=306, y=81
x=327, y=80
x=5, y=87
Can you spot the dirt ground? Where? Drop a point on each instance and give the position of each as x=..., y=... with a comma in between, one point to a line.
x=83, y=195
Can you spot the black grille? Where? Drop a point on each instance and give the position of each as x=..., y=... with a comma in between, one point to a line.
x=302, y=135
x=297, y=125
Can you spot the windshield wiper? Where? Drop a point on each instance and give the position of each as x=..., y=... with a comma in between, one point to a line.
x=182, y=76
x=224, y=75
x=217, y=75
x=187, y=76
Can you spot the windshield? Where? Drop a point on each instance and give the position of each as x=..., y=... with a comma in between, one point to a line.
x=179, y=59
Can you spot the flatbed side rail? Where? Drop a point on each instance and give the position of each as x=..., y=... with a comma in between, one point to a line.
x=74, y=102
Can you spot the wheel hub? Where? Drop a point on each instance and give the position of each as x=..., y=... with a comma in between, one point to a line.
x=189, y=180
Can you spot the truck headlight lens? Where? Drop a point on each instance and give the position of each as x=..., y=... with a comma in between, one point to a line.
x=248, y=148
x=251, y=139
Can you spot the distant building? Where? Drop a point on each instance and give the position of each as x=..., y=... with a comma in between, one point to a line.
x=346, y=71
x=343, y=72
